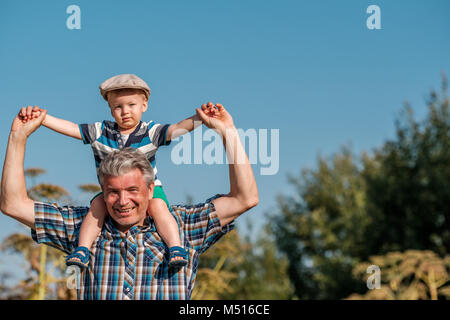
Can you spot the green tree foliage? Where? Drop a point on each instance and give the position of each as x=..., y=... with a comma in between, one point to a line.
x=262, y=273
x=322, y=232
x=410, y=275
x=236, y=269
x=409, y=194
x=350, y=208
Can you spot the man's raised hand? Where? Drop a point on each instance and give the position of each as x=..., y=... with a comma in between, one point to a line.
x=215, y=117
x=28, y=113
x=28, y=120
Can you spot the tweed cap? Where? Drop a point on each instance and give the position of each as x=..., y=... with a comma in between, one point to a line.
x=124, y=81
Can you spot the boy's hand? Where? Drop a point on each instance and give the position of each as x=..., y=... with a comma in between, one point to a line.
x=29, y=113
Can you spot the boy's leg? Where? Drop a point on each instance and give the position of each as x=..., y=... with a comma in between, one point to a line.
x=90, y=227
x=92, y=222
x=165, y=223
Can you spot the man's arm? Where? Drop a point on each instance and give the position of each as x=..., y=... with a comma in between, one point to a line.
x=14, y=200
x=243, y=193
x=62, y=126
x=182, y=127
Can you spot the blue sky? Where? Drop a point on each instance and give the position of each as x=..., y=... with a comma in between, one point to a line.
x=311, y=69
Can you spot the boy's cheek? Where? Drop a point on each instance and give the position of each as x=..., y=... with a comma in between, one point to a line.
x=113, y=112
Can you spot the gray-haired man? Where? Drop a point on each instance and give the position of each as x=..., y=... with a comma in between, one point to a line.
x=129, y=258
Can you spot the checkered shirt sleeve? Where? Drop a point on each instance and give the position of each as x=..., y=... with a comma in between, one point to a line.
x=57, y=226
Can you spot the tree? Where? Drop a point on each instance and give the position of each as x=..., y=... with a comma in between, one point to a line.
x=40, y=257
x=350, y=208
x=409, y=194
x=32, y=173
x=237, y=268
x=38, y=281
x=90, y=188
x=214, y=272
x=47, y=192
x=262, y=272
x=409, y=275
x=322, y=231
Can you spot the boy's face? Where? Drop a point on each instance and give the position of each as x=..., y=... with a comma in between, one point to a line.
x=127, y=107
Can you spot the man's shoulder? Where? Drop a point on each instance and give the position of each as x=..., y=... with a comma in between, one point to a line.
x=47, y=206
x=185, y=210
x=188, y=208
x=55, y=213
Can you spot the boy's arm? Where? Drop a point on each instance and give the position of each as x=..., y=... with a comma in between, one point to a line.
x=182, y=127
x=62, y=126
x=59, y=125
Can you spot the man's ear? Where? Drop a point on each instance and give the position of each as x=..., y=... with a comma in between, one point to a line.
x=151, y=189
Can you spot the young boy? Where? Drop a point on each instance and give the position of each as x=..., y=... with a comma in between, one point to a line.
x=127, y=96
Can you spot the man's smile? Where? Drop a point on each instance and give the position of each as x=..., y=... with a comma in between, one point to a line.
x=124, y=212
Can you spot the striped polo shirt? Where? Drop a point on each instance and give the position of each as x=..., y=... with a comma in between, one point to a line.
x=104, y=137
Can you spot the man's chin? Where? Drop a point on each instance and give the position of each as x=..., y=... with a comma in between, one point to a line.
x=124, y=223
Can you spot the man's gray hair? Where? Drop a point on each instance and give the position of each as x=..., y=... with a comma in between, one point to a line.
x=122, y=161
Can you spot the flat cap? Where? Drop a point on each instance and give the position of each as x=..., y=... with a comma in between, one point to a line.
x=124, y=81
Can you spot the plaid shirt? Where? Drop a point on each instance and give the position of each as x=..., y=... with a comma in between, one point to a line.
x=132, y=265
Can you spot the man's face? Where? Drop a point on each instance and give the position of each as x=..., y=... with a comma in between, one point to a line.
x=126, y=198
x=127, y=107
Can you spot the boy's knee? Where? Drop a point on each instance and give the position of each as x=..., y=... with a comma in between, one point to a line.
x=98, y=199
x=157, y=205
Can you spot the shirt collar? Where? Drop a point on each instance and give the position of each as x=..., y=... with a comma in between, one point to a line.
x=116, y=127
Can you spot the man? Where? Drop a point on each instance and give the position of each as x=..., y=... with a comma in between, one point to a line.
x=130, y=261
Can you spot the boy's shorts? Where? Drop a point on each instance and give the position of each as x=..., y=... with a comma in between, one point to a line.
x=158, y=193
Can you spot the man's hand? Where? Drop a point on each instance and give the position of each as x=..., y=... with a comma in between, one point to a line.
x=28, y=120
x=215, y=117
